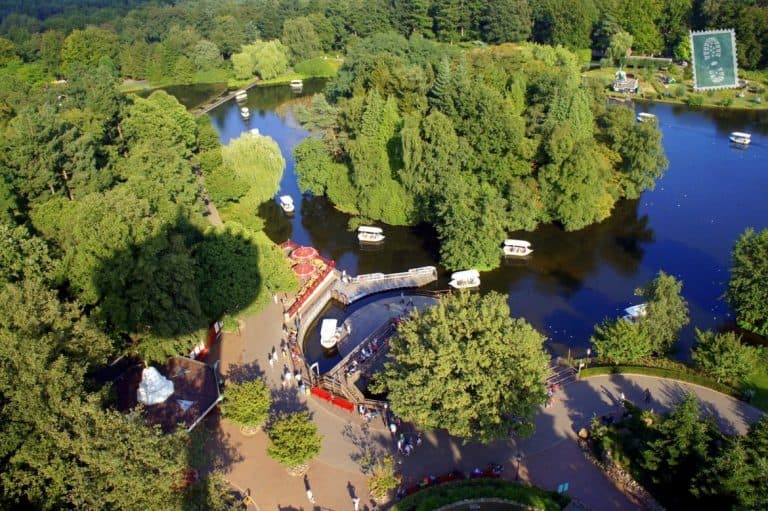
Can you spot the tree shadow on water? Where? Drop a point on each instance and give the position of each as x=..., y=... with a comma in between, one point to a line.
x=165, y=291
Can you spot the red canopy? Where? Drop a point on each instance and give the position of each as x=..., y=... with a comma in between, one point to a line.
x=304, y=254
x=304, y=270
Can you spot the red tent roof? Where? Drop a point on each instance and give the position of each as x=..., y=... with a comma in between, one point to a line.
x=304, y=270
x=304, y=253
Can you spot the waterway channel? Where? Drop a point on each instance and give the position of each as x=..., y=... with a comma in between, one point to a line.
x=711, y=192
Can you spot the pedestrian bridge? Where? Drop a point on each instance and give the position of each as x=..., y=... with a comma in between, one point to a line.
x=349, y=289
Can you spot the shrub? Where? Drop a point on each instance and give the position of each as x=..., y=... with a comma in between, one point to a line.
x=695, y=100
x=247, y=404
x=383, y=477
x=293, y=439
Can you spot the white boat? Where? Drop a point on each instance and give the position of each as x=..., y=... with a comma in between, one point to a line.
x=634, y=313
x=245, y=113
x=330, y=334
x=367, y=234
x=517, y=248
x=286, y=202
x=241, y=95
x=465, y=279
x=255, y=132
x=645, y=116
x=296, y=84
x=738, y=137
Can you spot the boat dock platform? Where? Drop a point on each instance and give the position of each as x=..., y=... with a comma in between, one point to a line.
x=349, y=289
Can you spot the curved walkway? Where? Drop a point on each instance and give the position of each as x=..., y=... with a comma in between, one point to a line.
x=550, y=457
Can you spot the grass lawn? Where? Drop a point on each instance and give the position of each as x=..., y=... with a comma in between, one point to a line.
x=652, y=89
x=759, y=381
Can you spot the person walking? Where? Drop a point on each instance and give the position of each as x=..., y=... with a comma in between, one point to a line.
x=356, y=503
x=310, y=497
x=271, y=361
x=647, y=396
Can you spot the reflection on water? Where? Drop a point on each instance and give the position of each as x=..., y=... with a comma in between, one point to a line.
x=191, y=95
x=573, y=280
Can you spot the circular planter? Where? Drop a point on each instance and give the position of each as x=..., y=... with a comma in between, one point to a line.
x=250, y=430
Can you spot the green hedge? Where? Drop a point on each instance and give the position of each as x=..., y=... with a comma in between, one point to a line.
x=448, y=493
x=675, y=374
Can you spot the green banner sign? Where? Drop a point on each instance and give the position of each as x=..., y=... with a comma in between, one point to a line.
x=714, y=59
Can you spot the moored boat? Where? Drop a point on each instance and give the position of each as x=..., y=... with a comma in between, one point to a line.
x=330, y=334
x=465, y=279
x=245, y=113
x=645, y=116
x=738, y=137
x=367, y=234
x=286, y=202
x=517, y=248
x=296, y=84
x=634, y=313
x=241, y=95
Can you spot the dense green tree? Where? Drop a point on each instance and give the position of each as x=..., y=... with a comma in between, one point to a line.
x=301, y=39
x=465, y=365
x=161, y=119
x=666, y=311
x=255, y=160
x=88, y=47
x=563, y=22
x=675, y=23
x=507, y=20
x=247, y=403
x=619, y=47
x=24, y=256
x=264, y=58
x=293, y=438
x=681, y=447
x=322, y=176
x=641, y=19
x=748, y=286
x=637, y=147
x=412, y=17
x=724, y=356
x=206, y=55
x=620, y=341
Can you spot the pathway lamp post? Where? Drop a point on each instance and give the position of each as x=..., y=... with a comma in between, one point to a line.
x=589, y=354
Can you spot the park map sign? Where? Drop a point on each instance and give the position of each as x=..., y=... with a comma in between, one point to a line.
x=714, y=59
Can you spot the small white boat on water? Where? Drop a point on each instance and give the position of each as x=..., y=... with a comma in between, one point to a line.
x=634, y=313
x=245, y=113
x=738, y=137
x=517, y=248
x=286, y=202
x=296, y=84
x=465, y=279
x=241, y=95
x=645, y=116
x=367, y=234
x=255, y=132
x=330, y=333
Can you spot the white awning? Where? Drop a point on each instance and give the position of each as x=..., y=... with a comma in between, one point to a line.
x=154, y=387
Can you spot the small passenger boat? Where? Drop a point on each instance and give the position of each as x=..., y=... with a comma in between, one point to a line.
x=517, y=248
x=465, y=279
x=286, y=202
x=645, y=116
x=330, y=334
x=296, y=84
x=241, y=95
x=737, y=137
x=255, y=132
x=634, y=313
x=245, y=113
x=367, y=234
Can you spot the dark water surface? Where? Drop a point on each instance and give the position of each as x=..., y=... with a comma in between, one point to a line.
x=686, y=226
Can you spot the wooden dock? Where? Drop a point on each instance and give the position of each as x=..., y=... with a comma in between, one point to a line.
x=349, y=289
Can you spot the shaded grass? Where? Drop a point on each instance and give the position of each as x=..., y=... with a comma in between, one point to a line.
x=448, y=493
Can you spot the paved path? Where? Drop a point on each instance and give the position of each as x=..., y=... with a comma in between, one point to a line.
x=549, y=457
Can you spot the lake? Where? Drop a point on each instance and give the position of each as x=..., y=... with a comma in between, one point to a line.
x=711, y=192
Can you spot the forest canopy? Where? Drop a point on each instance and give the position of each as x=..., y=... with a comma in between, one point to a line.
x=478, y=143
